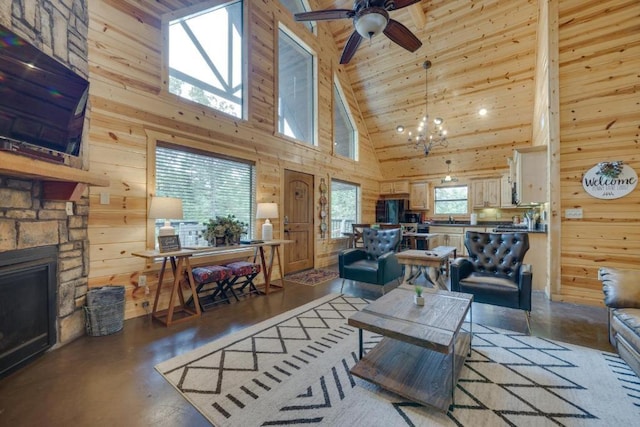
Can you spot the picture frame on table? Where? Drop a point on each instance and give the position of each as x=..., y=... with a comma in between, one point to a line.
x=168, y=243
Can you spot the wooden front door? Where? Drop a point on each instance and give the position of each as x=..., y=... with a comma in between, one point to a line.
x=298, y=221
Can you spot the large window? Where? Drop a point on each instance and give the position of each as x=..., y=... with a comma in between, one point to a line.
x=451, y=200
x=297, y=6
x=205, y=58
x=208, y=185
x=345, y=207
x=296, y=83
x=344, y=131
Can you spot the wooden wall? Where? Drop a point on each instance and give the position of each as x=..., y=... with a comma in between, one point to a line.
x=130, y=111
x=599, y=59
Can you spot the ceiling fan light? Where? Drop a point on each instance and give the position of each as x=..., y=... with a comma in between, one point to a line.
x=370, y=24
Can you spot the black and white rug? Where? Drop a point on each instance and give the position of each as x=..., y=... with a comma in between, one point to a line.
x=293, y=369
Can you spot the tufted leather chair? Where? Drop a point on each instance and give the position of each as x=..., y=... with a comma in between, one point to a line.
x=494, y=271
x=376, y=262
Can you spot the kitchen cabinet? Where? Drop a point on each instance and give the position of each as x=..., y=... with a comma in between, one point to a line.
x=419, y=196
x=485, y=193
x=448, y=236
x=531, y=175
x=394, y=187
x=506, y=195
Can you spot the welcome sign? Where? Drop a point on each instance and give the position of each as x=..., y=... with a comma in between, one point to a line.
x=610, y=180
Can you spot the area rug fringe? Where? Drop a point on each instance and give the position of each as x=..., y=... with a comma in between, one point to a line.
x=293, y=369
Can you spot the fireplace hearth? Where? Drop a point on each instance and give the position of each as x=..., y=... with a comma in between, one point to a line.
x=28, y=281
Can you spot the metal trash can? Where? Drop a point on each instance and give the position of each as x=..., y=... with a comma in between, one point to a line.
x=104, y=311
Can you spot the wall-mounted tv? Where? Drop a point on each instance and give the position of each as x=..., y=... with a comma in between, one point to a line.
x=42, y=102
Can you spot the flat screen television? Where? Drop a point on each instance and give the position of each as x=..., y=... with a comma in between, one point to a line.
x=42, y=102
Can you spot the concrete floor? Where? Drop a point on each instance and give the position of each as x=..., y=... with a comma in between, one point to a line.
x=110, y=380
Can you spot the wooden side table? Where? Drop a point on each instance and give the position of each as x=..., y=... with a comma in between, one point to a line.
x=180, y=264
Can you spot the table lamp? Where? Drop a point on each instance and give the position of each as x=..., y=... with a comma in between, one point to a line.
x=266, y=211
x=166, y=208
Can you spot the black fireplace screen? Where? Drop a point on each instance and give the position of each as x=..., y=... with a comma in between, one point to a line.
x=28, y=281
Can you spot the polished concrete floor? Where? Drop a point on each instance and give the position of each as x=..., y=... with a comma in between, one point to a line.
x=110, y=380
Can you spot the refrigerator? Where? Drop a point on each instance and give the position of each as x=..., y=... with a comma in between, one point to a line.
x=391, y=210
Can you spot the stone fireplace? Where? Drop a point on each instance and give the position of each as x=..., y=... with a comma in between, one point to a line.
x=27, y=218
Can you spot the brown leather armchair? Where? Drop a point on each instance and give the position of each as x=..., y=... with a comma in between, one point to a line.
x=621, y=289
x=494, y=271
x=376, y=263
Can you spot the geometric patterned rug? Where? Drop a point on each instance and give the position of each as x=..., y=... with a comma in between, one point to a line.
x=293, y=369
x=312, y=277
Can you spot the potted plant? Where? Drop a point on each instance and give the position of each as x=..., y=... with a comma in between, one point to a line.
x=224, y=230
x=418, y=298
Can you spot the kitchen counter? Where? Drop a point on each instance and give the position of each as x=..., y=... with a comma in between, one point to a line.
x=494, y=225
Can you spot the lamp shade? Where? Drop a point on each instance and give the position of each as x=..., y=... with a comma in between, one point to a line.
x=166, y=208
x=370, y=24
x=266, y=211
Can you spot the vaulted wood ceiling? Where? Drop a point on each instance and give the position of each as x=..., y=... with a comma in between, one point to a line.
x=483, y=55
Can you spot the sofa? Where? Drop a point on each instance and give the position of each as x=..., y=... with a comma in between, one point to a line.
x=621, y=289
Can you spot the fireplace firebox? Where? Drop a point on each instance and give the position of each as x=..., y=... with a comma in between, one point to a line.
x=28, y=282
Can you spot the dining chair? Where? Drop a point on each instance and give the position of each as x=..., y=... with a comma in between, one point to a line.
x=356, y=238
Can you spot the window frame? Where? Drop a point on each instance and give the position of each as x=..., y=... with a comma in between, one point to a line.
x=435, y=200
x=357, y=220
x=244, y=72
x=160, y=140
x=314, y=88
x=309, y=25
x=342, y=99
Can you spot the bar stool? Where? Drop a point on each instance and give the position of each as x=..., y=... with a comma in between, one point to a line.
x=212, y=274
x=246, y=271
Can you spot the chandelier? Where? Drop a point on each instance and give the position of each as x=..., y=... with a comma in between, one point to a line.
x=429, y=133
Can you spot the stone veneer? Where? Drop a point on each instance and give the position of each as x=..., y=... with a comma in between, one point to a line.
x=59, y=28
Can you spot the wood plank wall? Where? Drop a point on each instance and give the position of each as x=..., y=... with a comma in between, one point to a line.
x=130, y=110
x=599, y=59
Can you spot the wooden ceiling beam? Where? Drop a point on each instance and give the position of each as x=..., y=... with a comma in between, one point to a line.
x=418, y=15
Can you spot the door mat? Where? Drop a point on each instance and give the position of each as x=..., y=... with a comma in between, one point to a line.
x=312, y=277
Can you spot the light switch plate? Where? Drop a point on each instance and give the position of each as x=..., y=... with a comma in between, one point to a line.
x=104, y=198
x=69, y=208
x=573, y=213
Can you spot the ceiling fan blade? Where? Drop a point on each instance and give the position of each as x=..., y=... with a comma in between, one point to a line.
x=401, y=35
x=324, y=15
x=399, y=4
x=350, y=47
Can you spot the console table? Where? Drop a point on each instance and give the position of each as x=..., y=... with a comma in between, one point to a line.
x=180, y=264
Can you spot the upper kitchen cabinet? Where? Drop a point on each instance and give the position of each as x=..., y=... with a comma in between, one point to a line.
x=394, y=187
x=485, y=193
x=419, y=196
x=531, y=175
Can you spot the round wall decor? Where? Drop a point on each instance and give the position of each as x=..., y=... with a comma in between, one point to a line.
x=610, y=180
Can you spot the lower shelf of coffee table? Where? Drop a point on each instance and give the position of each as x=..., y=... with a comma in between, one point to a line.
x=416, y=373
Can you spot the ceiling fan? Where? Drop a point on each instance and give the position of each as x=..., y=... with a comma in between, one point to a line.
x=370, y=17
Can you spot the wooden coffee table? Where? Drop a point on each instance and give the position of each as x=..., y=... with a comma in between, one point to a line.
x=423, y=349
x=432, y=260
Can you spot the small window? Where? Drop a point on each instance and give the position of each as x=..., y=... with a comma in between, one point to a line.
x=205, y=58
x=451, y=200
x=296, y=83
x=344, y=131
x=208, y=185
x=345, y=207
x=298, y=6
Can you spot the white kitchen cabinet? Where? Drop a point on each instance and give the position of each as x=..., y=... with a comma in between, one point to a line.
x=486, y=193
x=394, y=187
x=531, y=175
x=419, y=196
